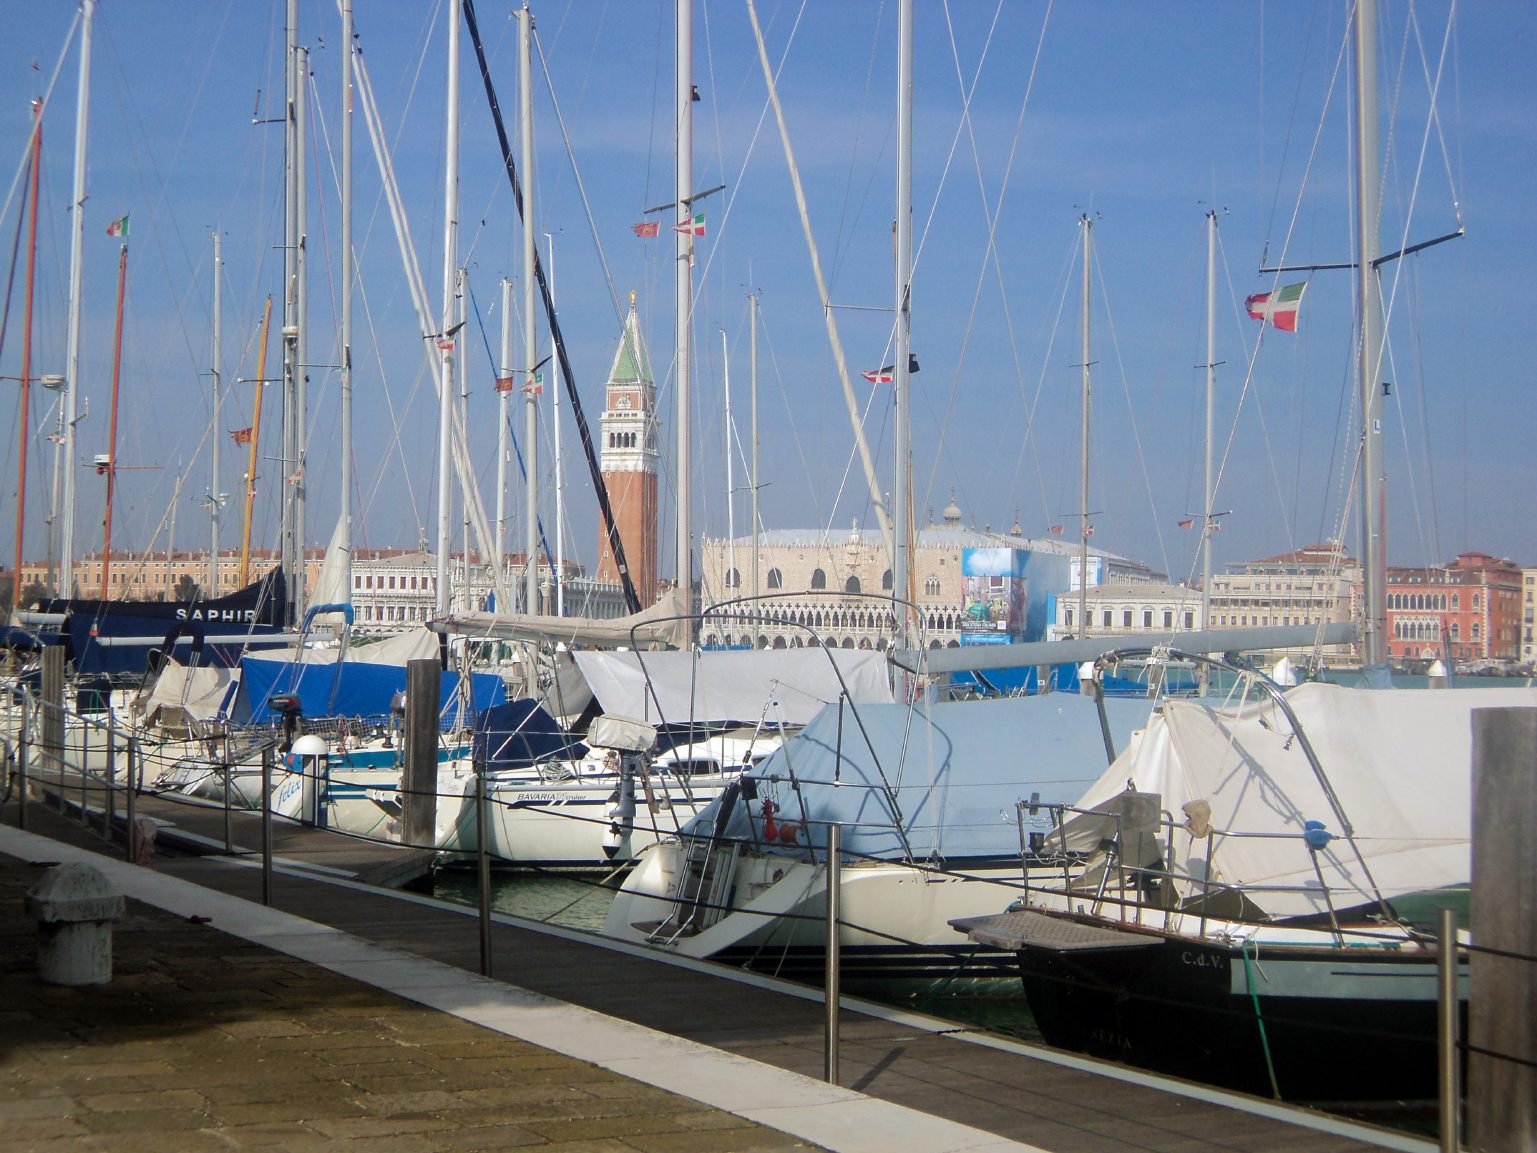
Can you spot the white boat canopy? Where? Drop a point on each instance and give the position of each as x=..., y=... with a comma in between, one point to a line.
x=788, y=686
x=661, y=624
x=1399, y=763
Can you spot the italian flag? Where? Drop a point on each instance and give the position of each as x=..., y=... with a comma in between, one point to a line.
x=1279, y=307
x=118, y=227
x=692, y=227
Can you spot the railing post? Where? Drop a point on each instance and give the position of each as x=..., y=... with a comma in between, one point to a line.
x=831, y=994
x=110, y=805
x=1447, y=1006
x=229, y=841
x=483, y=864
x=130, y=793
x=23, y=755
x=267, y=824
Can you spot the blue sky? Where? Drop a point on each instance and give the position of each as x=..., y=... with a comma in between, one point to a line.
x=1145, y=115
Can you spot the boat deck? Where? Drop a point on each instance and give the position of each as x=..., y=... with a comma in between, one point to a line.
x=1024, y=1093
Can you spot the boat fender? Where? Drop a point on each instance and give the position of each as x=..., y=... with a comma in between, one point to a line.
x=613, y=837
x=1316, y=836
x=788, y=832
x=770, y=827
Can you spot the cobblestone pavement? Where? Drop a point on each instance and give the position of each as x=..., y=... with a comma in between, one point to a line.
x=203, y=1042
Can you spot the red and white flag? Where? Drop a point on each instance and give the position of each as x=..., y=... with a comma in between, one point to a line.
x=648, y=229
x=1279, y=307
x=693, y=226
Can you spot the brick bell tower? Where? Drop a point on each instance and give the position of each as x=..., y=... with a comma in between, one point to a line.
x=629, y=461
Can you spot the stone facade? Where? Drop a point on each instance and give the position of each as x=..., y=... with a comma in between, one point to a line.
x=1318, y=584
x=630, y=458
x=1129, y=608
x=1470, y=609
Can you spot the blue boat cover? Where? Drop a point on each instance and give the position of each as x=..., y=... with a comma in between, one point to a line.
x=956, y=772
x=519, y=733
x=343, y=688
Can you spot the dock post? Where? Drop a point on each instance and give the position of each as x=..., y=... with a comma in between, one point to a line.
x=1502, y=1090
x=419, y=780
x=830, y=995
x=1447, y=1013
x=228, y=833
x=135, y=751
x=267, y=824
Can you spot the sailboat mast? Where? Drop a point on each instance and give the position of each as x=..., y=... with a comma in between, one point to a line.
x=683, y=323
x=725, y=360
x=902, y=480
x=1369, y=296
x=530, y=317
x=1084, y=528
x=111, y=469
x=560, y=480
x=344, y=512
x=255, y=442
x=215, y=496
x=298, y=590
x=450, y=268
x=290, y=331
x=1207, y=523
x=504, y=378
x=76, y=254
x=24, y=430
x=757, y=589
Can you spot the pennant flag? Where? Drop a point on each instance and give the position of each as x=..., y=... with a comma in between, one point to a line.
x=1055, y=530
x=536, y=387
x=1089, y=531
x=647, y=229
x=887, y=373
x=1188, y=522
x=445, y=345
x=241, y=435
x=694, y=226
x=1279, y=307
x=1216, y=526
x=118, y=227
x=505, y=384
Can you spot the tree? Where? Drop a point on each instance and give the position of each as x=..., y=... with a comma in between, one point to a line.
x=35, y=592
x=187, y=589
x=7, y=587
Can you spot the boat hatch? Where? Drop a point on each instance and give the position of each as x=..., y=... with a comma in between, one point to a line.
x=1023, y=929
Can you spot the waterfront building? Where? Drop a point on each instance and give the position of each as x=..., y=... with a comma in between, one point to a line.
x=1126, y=608
x=837, y=585
x=1470, y=609
x=1528, y=655
x=1316, y=585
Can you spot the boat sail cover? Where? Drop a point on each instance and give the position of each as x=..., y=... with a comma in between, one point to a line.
x=942, y=780
x=661, y=624
x=1399, y=763
x=775, y=686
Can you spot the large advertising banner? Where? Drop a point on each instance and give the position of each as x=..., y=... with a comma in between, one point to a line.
x=996, y=594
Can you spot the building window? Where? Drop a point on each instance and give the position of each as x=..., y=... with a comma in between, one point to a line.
x=1168, y=619
x=1067, y=619
x=818, y=579
x=776, y=579
x=886, y=581
x=1107, y=618
x=1126, y=618
x=851, y=585
x=931, y=587
x=733, y=579
x=1147, y=618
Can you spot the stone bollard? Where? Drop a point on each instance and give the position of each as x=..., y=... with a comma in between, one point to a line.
x=143, y=833
x=74, y=906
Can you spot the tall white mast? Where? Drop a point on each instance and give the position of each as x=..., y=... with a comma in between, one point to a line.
x=345, y=511
x=1369, y=295
x=299, y=591
x=560, y=480
x=901, y=521
x=504, y=376
x=1207, y=511
x=757, y=589
x=76, y=252
x=725, y=360
x=215, y=493
x=1083, y=493
x=530, y=317
x=450, y=273
x=683, y=322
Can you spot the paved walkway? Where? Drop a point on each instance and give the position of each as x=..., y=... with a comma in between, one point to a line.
x=368, y=1027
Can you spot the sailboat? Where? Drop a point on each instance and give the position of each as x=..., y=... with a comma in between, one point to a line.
x=1244, y=890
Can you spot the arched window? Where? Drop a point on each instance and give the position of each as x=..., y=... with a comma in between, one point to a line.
x=779, y=642
x=776, y=579
x=886, y=581
x=818, y=579
x=851, y=585
x=733, y=579
x=931, y=587
x=848, y=642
